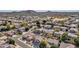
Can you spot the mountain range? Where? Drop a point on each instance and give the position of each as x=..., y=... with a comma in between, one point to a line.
x=40, y=13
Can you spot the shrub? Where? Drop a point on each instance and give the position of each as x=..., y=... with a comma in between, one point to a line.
x=57, y=30
x=43, y=44
x=54, y=46
x=11, y=41
x=24, y=24
x=62, y=23
x=26, y=28
x=12, y=27
x=49, y=35
x=8, y=27
x=19, y=32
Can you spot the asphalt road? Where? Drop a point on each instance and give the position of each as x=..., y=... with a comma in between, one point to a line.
x=22, y=44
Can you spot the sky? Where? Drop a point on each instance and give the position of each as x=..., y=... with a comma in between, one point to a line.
x=39, y=4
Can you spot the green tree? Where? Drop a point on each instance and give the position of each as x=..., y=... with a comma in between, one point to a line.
x=76, y=40
x=38, y=24
x=10, y=22
x=26, y=28
x=78, y=25
x=44, y=21
x=64, y=37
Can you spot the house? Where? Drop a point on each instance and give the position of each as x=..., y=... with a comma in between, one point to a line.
x=67, y=22
x=57, y=34
x=5, y=45
x=17, y=25
x=66, y=45
x=73, y=30
x=53, y=41
x=38, y=31
x=10, y=33
x=47, y=26
x=35, y=43
x=28, y=37
x=72, y=35
x=1, y=22
x=3, y=38
x=76, y=21
x=64, y=29
x=49, y=31
x=73, y=26
x=22, y=29
x=56, y=27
